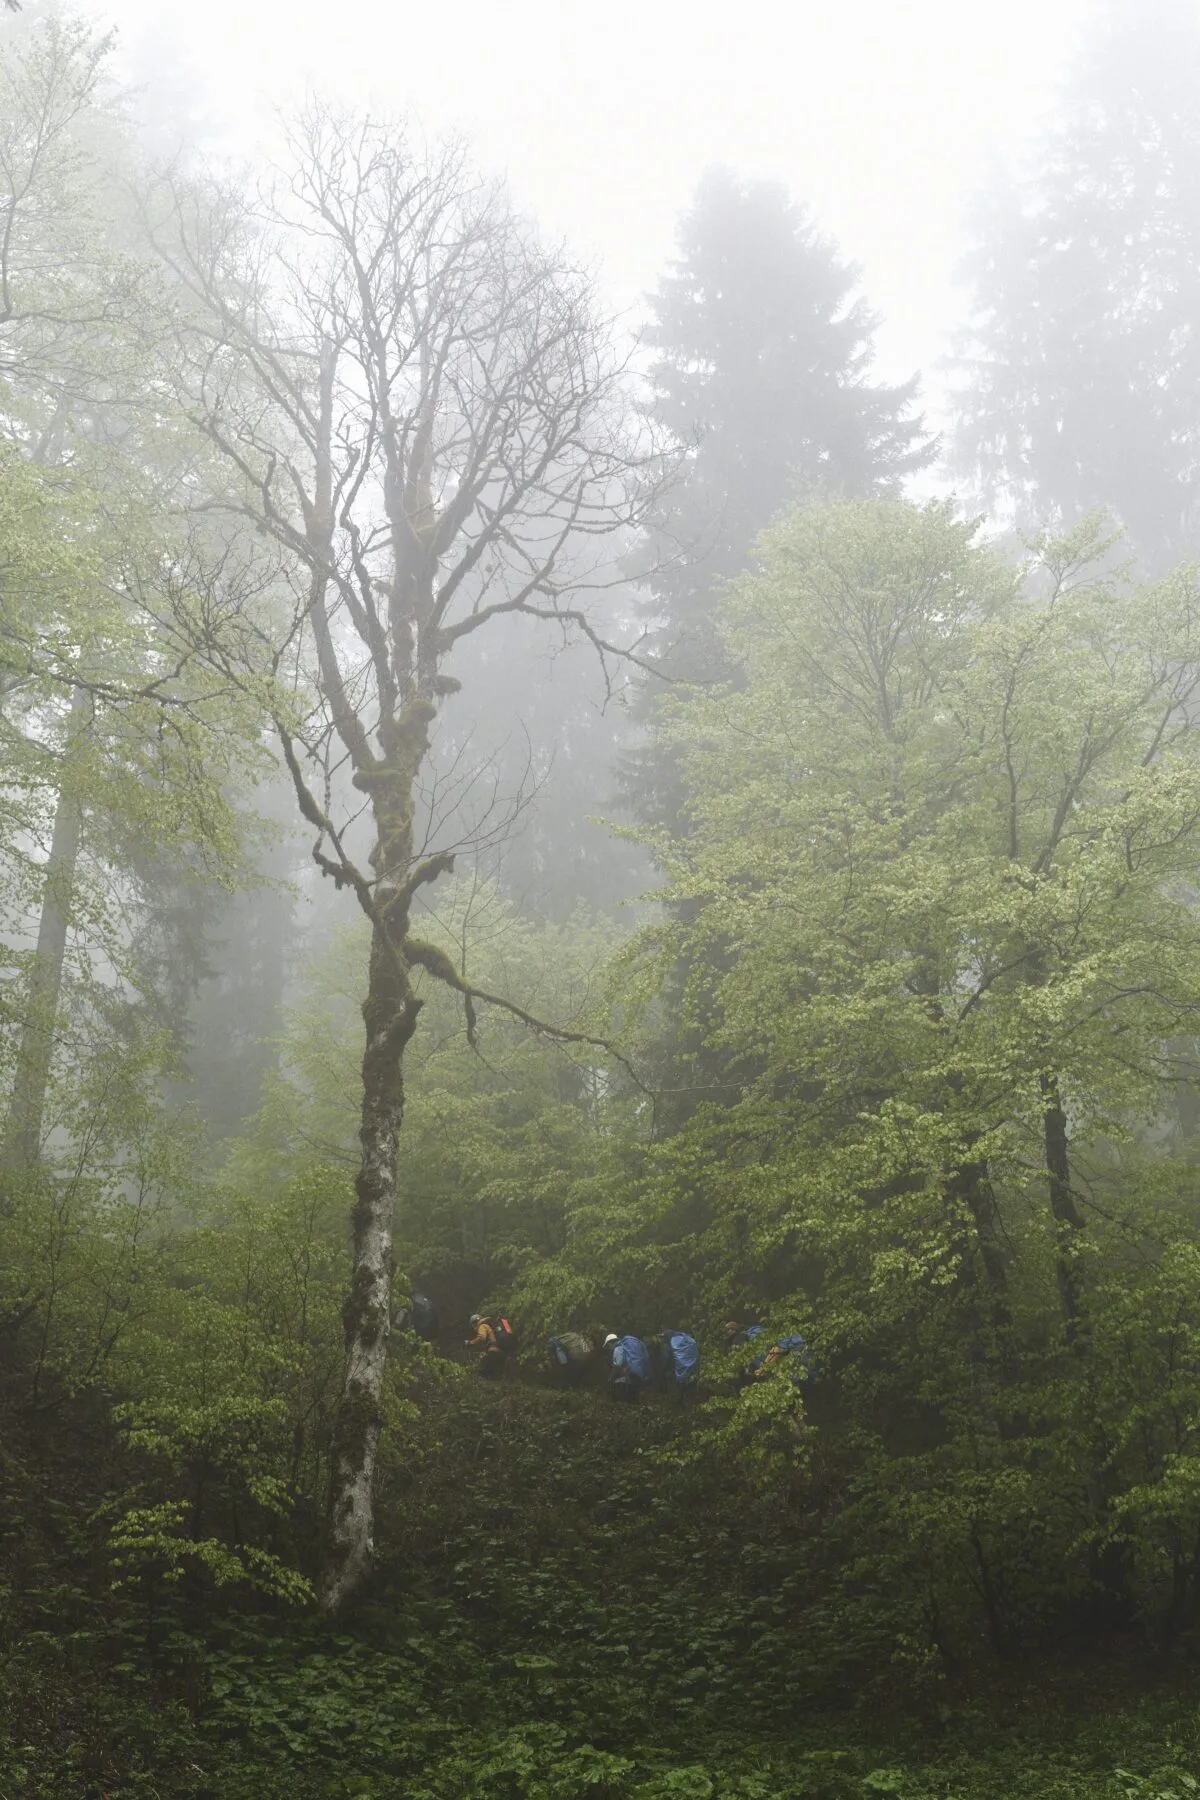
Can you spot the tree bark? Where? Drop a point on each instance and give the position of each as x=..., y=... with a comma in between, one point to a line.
x=1067, y=1218
x=971, y=1184
x=390, y=1013
x=27, y=1104
x=1110, y=1604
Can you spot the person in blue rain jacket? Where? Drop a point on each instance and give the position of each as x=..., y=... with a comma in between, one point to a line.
x=630, y=1366
x=683, y=1362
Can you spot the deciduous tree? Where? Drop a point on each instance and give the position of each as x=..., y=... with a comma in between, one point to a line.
x=417, y=401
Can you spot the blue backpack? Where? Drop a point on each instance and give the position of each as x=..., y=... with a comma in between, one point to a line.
x=685, y=1355
x=631, y=1357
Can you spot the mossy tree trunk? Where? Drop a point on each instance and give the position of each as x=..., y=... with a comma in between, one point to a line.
x=390, y=1013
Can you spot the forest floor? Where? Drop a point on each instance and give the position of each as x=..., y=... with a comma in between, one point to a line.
x=559, y=1613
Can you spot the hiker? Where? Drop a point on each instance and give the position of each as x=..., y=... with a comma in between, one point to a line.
x=493, y=1339
x=683, y=1361
x=790, y=1351
x=792, y=1354
x=662, y=1370
x=630, y=1361
x=737, y=1337
x=572, y=1355
x=419, y=1315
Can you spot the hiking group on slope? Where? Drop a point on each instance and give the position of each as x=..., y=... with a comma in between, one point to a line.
x=633, y=1364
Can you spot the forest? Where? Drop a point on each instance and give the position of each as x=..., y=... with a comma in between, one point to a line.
x=532, y=851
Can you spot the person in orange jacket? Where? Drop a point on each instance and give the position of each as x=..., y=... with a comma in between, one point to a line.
x=492, y=1343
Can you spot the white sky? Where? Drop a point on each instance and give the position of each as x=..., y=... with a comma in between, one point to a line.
x=880, y=116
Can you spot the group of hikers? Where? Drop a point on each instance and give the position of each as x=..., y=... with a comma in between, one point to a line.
x=631, y=1365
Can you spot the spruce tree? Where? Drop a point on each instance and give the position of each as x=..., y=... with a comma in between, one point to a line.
x=1081, y=368
x=764, y=349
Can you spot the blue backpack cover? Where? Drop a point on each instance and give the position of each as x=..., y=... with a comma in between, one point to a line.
x=557, y=1352
x=631, y=1356
x=685, y=1354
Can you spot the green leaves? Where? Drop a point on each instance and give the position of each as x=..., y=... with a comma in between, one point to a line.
x=940, y=844
x=156, y=1538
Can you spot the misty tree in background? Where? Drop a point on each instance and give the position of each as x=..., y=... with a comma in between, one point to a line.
x=108, y=770
x=553, y=770
x=1080, y=374
x=762, y=375
x=57, y=296
x=763, y=355
x=416, y=402
x=251, y=939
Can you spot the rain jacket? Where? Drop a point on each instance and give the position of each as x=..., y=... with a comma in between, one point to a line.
x=485, y=1339
x=630, y=1360
x=685, y=1356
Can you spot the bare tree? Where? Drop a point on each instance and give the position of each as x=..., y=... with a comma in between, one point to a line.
x=418, y=401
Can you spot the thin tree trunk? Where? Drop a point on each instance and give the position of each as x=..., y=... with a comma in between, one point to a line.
x=1109, y=1563
x=27, y=1103
x=1067, y=1218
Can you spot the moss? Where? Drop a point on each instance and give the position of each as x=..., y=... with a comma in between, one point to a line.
x=364, y=1318
x=429, y=956
x=359, y=1418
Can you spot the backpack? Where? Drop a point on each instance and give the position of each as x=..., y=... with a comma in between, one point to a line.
x=631, y=1358
x=424, y=1317
x=506, y=1337
x=685, y=1355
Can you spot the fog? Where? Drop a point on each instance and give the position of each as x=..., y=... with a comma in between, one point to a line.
x=880, y=118
x=809, y=239
x=599, y=947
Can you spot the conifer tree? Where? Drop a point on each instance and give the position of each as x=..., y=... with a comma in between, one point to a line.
x=764, y=349
x=1081, y=368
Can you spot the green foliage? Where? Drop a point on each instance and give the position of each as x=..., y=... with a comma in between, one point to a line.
x=504, y=1140
x=927, y=959
x=610, y=1624
x=935, y=908
x=160, y=1537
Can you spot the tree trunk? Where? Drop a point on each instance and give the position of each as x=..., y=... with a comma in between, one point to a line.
x=390, y=1015
x=1067, y=1219
x=971, y=1184
x=27, y=1103
x=1110, y=1604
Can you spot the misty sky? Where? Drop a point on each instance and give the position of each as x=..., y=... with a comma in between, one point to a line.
x=880, y=116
